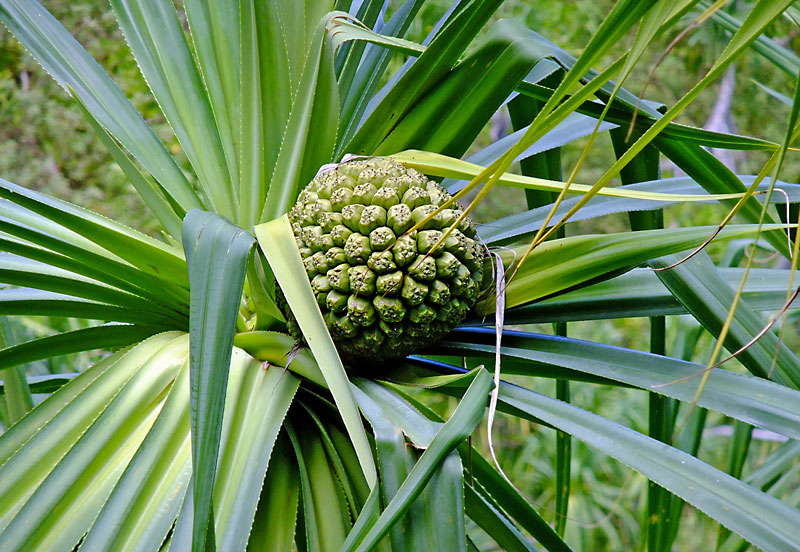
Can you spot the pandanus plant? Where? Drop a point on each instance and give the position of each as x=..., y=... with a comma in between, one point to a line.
x=209, y=425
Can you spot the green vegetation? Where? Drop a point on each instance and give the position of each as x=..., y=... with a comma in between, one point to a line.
x=180, y=412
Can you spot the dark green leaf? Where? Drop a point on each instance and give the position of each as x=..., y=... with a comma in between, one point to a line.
x=754, y=400
x=763, y=520
x=466, y=416
x=708, y=298
x=438, y=59
x=86, y=339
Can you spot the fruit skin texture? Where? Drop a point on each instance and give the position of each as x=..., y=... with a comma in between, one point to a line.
x=384, y=292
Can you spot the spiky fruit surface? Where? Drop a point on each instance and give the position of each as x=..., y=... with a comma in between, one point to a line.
x=385, y=291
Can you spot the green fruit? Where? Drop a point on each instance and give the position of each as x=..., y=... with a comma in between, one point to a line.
x=385, y=291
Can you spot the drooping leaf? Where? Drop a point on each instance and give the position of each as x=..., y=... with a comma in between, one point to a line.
x=216, y=252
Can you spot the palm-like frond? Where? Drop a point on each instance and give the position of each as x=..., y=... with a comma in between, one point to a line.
x=207, y=427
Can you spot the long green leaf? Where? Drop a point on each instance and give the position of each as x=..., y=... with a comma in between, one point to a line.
x=218, y=52
x=573, y=127
x=716, y=178
x=46, y=384
x=432, y=65
x=276, y=517
x=708, y=298
x=145, y=501
x=513, y=503
x=620, y=114
x=20, y=271
x=74, y=259
x=264, y=64
x=74, y=468
x=34, y=302
x=16, y=216
x=486, y=516
x=754, y=400
x=393, y=464
x=310, y=130
x=370, y=14
x=526, y=223
x=436, y=518
x=216, y=252
x=132, y=358
x=434, y=164
x=781, y=56
x=155, y=36
x=338, y=460
x=278, y=244
x=420, y=422
x=463, y=421
x=153, y=195
x=86, y=339
x=256, y=404
x=345, y=31
x=356, y=92
x=326, y=518
x=780, y=464
x=451, y=115
x=763, y=520
x=250, y=406
x=16, y=391
x=136, y=248
x=558, y=265
x=641, y=293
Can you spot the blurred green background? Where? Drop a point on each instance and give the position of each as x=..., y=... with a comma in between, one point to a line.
x=46, y=145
